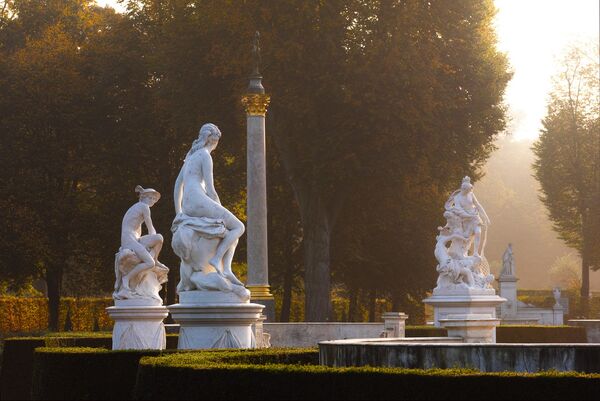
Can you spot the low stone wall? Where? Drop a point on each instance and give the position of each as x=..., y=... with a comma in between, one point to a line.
x=310, y=334
x=592, y=328
x=483, y=357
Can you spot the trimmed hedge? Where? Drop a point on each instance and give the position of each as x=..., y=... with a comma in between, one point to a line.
x=425, y=331
x=264, y=375
x=24, y=314
x=515, y=334
x=85, y=373
x=17, y=359
x=540, y=334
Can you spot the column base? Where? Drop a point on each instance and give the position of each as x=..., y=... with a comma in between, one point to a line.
x=261, y=294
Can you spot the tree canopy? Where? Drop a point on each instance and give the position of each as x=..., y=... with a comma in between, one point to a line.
x=378, y=109
x=568, y=156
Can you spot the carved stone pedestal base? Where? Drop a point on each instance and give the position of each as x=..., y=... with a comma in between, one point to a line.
x=215, y=319
x=472, y=328
x=138, y=324
x=465, y=302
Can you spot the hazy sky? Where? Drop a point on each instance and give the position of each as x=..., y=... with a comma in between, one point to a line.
x=533, y=33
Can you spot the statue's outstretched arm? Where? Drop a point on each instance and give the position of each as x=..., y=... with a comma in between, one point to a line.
x=486, y=219
x=148, y=221
x=178, y=192
x=207, y=169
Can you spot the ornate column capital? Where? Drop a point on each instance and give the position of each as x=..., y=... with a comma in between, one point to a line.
x=256, y=103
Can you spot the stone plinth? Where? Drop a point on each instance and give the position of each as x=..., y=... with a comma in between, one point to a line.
x=215, y=319
x=138, y=324
x=464, y=302
x=394, y=324
x=472, y=328
x=507, y=288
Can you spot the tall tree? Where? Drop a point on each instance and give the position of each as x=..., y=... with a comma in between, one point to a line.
x=72, y=118
x=360, y=89
x=568, y=157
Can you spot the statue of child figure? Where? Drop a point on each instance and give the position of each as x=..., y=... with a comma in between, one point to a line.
x=138, y=254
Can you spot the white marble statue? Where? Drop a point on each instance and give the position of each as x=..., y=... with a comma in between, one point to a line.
x=205, y=234
x=138, y=272
x=465, y=230
x=508, y=262
x=556, y=294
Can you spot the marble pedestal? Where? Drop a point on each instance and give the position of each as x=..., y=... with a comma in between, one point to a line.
x=215, y=319
x=138, y=324
x=472, y=328
x=463, y=302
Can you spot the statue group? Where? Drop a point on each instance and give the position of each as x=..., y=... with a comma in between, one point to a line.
x=205, y=234
x=460, y=243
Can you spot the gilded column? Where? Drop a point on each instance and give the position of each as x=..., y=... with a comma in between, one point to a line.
x=255, y=102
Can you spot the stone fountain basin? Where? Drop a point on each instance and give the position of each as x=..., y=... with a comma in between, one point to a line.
x=447, y=352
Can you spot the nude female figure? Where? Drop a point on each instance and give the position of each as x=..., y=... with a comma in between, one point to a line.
x=146, y=247
x=195, y=196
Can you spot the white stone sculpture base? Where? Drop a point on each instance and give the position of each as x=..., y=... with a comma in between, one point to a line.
x=472, y=328
x=215, y=319
x=463, y=302
x=138, y=324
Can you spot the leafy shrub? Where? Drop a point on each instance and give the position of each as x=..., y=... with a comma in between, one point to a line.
x=85, y=373
x=265, y=375
x=17, y=359
x=540, y=334
x=20, y=314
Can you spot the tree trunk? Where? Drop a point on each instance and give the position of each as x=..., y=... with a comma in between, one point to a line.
x=352, y=305
x=286, y=303
x=585, y=267
x=54, y=282
x=317, y=283
x=372, y=304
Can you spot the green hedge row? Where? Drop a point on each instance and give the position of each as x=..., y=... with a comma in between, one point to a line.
x=276, y=374
x=17, y=357
x=234, y=376
x=85, y=373
x=540, y=334
x=515, y=334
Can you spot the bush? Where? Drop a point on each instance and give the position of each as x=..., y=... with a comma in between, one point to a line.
x=515, y=334
x=17, y=359
x=20, y=314
x=540, y=334
x=292, y=374
x=85, y=373
x=425, y=331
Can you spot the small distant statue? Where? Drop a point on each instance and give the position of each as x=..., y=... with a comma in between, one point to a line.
x=205, y=234
x=508, y=262
x=256, y=53
x=138, y=272
x=466, y=224
x=556, y=294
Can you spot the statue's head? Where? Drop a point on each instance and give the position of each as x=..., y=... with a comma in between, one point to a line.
x=466, y=185
x=208, y=136
x=148, y=196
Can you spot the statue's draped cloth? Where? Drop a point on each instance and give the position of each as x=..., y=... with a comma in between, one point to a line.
x=184, y=227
